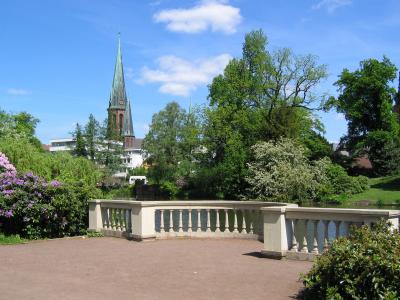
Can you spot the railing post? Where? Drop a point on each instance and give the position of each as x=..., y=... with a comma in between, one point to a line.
x=217, y=229
x=235, y=223
x=143, y=227
x=275, y=238
x=162, y=230
x=208, y=221
x=190, y=221
x=95, y=216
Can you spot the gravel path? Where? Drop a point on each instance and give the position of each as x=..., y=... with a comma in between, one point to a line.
x=111, y=268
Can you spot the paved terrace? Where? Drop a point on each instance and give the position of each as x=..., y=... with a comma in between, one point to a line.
x=112, y=268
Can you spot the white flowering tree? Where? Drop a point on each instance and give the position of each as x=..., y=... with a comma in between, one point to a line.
x=280, y=171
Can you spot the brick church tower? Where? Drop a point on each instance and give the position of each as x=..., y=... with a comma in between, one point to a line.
x=119, y=109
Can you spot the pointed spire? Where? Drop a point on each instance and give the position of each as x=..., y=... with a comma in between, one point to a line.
x=118, y=97
x=127, y=129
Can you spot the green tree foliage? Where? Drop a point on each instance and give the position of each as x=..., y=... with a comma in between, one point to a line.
x=80, y=147
x=100, y=145
x=108, y=151
x=365, y=265
x=61, y=166
x=274, y=172
x=171, y=144
x=92, y=135
x=260, y=96
x=21, y=125
x=366, y=99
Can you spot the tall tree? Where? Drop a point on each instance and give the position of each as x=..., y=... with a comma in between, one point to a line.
x=80, y=147
x=366, y=100
x=21, y=125
x=92, y=133
x=260, y=96
x=171, y=143
x=108, y=151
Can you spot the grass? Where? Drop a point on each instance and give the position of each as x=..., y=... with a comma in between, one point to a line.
x=11, y=239
x=384, y=190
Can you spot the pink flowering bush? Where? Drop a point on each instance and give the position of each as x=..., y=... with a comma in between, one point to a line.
x=36, y=208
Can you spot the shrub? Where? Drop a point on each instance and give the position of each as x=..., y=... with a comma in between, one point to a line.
x=365, y=265
x=341, y=183
x=61, y=166
x=281, y=171
x=36, y=208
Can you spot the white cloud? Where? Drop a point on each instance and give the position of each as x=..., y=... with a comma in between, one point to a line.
x=180, y=77
x=213, y=14
x=331, y=5
x=18, y=92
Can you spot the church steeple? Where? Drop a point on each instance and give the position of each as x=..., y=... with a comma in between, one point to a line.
x=118, y=97
x=127, y=129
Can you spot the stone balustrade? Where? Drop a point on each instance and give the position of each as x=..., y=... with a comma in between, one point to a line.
x=303, y=232
x=142, y=220
x=286, y=229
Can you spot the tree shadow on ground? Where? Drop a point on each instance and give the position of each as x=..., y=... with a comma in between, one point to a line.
x=392, y=184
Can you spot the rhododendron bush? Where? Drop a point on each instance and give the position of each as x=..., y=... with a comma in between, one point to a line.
x=36, y=208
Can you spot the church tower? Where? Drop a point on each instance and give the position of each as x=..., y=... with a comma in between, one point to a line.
x=119, y=109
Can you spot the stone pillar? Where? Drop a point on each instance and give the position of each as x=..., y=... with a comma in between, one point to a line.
x=143, y=227
x=95, y=217
x=275, y=238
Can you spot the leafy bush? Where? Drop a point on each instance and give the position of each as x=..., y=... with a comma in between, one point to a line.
x=341, y=183
x=61, y=166
x=281, y=171
x=36, y=208
x=365, y=265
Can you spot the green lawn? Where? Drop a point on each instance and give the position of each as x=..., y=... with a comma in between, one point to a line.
x=384, y=189
x=11, y=239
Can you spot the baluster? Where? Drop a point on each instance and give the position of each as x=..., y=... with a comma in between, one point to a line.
x=162, y=230
x=208, y=221
x=123, y=218
x=337, y=232
x=244, y=229
x=226, y=229
x=118, y=219
x=252, y=215
x=105, y=218
x=294, y=241
x=111, y=216
x=198, y=220
x=326, y=235
x=304, y=249
x=190, y=221
x=235, y=224
x=171, y=221
x=315, y=240
x=180, y=221
x=217, y=229
x=129, y=221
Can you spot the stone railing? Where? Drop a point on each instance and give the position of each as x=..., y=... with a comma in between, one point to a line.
x=286, y=229
x=141, y=220
x=302, y=233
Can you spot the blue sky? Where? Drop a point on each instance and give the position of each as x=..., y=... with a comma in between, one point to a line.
x=57, y=57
